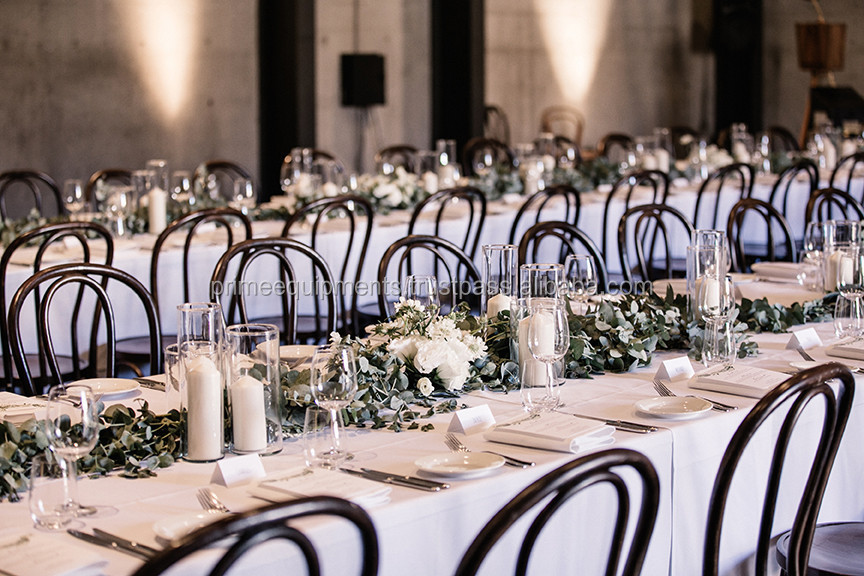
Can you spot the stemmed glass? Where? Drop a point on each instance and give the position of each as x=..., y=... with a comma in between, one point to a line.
x=581, y=276
x=850, y=282
x=73, y=197
x=548, y=341
x=244, y=195
x=119, y=203
x=716, y=298
x=334, y=384
x=423, y=289
x=70, y=440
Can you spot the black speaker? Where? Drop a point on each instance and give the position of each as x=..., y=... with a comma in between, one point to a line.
x=362, y=79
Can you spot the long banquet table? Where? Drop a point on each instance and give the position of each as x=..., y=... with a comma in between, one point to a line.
x=426, y=533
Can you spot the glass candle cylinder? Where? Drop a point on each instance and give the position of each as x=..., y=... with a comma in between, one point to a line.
x=499, y=278
x=542, y=280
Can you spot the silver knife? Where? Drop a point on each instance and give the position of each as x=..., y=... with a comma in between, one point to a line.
x=93, y=539
x=130, y=545
x=396, y=480
x=623, y=425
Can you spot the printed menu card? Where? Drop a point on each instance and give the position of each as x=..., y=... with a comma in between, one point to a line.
x=739, y=380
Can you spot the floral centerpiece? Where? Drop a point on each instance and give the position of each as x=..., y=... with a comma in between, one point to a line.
x=396, y=191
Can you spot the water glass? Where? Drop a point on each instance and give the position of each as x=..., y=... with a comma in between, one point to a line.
x=73, y=197
x=334, y=383
x=701, y=261
x=542, y=281
x=500, y=264
x=581, y=276
x=548, y=338
x=254, y=390
x=318, y=447
x=423, y=289
x=47, y=497
x=119, y=205
x=181, y=187
x=244, y=195
x=534, y=375
x=716, y=299
x=847, y=320
x=160, y=176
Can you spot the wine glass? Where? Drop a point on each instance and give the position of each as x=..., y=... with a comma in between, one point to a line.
x=334, y=384
x=716, y=298
x=850, y=281
x=548, y=341
x=581, y=276
x=244, y=195
x=423, y=289
x=72, y=427
x=119, y=204
x=73, y=197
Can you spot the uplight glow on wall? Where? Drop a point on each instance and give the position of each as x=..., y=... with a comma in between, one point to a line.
x=574, y=33
x=162, y=35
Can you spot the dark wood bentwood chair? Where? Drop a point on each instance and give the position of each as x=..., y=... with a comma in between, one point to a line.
x=655, y=181
x=453, y=201
x=733, y=179
x=243, y=532
x=792, y=396
x=16, y=185
x=553, y=198
x=217, y=177
x=389, y=158
x=289, y=255
x=63, y=235
x=489, y=153
x=96, y=278
x=94, y=195
x=553, y=490
x=803, y=169
x=565, y=239
x=563, y=120
x=832, y=204
x=777, y=234
x=644, y=231
x=843, y=175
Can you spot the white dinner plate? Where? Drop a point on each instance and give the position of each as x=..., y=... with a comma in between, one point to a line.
x=460, y=464
x=108, y=387
x=296, y=355
x=175, y=527
x=673, y=407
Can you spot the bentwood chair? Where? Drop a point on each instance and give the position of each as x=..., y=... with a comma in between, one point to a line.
x=23, y=190
x=843, y=175
x=96, y=278
x=216, y=178
x=563, y=120
x=560, y=239
x=455, y=272
x=483, y=154
x=733, y=179
x=288, y=255
x=653, y=182
x=562, y=200
x=777, y=234
x=241, y=533
x=834, y=385
x=389, y=158
x=682, y=138
x=357, y=214
x=94, y=191
x=466, y=203
x=802, y=172
x=552, y=492
x=46, y=245
x=613, y=145
x=832, y=204
x=218, y=226
x=647, y=233
x=782, y=140
x=495, y=123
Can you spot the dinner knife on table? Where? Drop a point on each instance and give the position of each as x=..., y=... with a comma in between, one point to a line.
x=130, y=545
x=398, y=480
x=622, y=425
x=114, y=544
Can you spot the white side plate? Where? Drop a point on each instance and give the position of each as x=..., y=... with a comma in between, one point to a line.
x=459, y=464
x=108, y=387
x=673, y=408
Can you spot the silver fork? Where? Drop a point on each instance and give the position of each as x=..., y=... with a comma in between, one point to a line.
x=210, y=502
x=456, y=445
x=804, y=354
x=664, y=390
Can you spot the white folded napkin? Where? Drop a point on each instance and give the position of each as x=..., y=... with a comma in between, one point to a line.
x=553, y=431
x=853, y=350
x=740, y=380
x=18, y=409
x=37, y=554
x=777, y=271
x=302, y=482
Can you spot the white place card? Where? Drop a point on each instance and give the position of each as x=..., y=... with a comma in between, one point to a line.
x=804, y=339
x=236, y=470
x=675, y=369
x=470, y=420
x=553, y=431
x=747, y=381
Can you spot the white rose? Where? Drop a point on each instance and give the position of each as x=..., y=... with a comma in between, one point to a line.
x=453, y=374
x=425, y=386
x=389, y=194
x=330, y=190
x=403, y=348
x=430, y=355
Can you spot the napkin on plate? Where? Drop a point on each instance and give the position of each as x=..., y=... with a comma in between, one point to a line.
x=18, y=409
x=302, y=482
x=854, y=350
x=37, y=554
x=747, y=381
x=553, y=431
x=777, y=271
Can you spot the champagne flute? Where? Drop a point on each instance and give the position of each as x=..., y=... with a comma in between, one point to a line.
x=581, y=276
x=716, y=298
x=850, y=281
x=334, y=384
x=72, y=427
x=423, y=289
x=73, y=197
x=548, y=341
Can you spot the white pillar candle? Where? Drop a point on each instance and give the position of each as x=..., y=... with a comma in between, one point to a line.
x=157, y=210
x=496, y=304
x=532, y=370
x=830, y=154
x=848, y=147
x=661, y=155
x=709, y=295
x=548, y=162
x=446, y=176
x=430, y=182
x=649, y=161
x=204, y=432
x=832, y=263
x=844, y=269
x=740, y=152
x=247, y=410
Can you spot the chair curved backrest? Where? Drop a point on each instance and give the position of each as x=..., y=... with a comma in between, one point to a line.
x=607, y=144
x=190, y=225
x=82, y=275
x=782, y=140
x=61, y=235
x=455, y=271
x=553, y=490
x=286, y=253
x=843, y=175
x=645, y=230
x=358, y=213
x=567, y=239
x=217, y=177
x=682, y=138
x=795, y=393
x=832, y=204
x=487, y=152
x=563, y=120
x=774, y=222
x=245, y=531
x=655, y=181
x=454, y=200
x=39, y=186
x=389, y=158
x=735, y=179
x=495, y=123
x=93, y=194
x=802, y=169
x=553, y=199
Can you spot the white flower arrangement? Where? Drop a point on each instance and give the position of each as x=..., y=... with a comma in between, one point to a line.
x=386, y=192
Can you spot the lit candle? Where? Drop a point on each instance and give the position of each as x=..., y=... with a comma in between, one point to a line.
x=496, y=304
x=157, y=210
x=247, y=410
x=204, y=431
